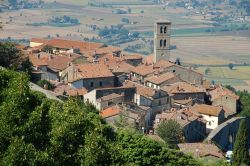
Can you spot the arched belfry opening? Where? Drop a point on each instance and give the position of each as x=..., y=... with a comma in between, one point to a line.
x=161, y=29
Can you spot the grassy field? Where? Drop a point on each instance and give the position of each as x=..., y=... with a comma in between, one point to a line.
x=239, y=76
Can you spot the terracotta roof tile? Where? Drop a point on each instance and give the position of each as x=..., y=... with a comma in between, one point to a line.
x=110, y=97
x=60, y=62
x=111, y=111
x=115, y=64
x=143, y=70
x=55, y=62
x=183, y=116
x=141, y=89
x=207, y=109
x=220, y=92
x=107, y=50
x=40, y=59
x=62, y=88
x=68, y=44
x=158, y=79
x=182, y=87
x=131, y=56
x=149, y=60
x=184, y=102
x=92, y=71
x=74, y=92
x=163, y=64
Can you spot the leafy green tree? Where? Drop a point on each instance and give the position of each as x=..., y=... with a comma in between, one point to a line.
x=171, y=132
x=98, y=151
x=47, y=48
x=140, y=150
x=244, y=104
x=240, y=151
x=20, y=153
x=10, y=56
x=207, y=70
x=45, y=84
x=231, y=66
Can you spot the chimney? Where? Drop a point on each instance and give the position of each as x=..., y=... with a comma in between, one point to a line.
x=50, y=57
x=69, y=64
x=178, y=88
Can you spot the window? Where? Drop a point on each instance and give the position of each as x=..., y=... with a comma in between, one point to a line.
x=159, y=102
x=91, y=84
x=161, y=29
x=173, y=71
x=209, y=123
x=100, y=83
x=161, y=43
x=165, y=29
x=162, y=54
x=165, y=43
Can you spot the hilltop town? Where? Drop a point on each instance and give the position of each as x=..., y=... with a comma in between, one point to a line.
x=137, y=91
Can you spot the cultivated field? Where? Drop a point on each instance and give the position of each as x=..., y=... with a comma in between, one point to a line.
x=239, y=76
x=212, y=49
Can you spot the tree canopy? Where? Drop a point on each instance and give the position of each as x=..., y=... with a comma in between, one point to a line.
x=240, y=152
x=170, y=131
x=10, y=56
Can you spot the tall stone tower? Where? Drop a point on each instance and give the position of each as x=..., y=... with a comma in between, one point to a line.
x=162, y=40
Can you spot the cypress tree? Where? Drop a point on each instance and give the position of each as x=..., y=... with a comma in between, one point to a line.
x=240, y=151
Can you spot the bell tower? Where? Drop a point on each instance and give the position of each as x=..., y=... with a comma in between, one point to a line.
x=162, y=40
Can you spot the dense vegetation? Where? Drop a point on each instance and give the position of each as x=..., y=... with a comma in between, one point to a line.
x=14, y=55
x=38, y=131
x=240, y=153
x=171, y=132
x=63, y=21
x=244, y=103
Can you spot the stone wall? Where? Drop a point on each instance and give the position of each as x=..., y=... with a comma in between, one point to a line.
x=185, y=74
x=224, y=135
x=229, y=104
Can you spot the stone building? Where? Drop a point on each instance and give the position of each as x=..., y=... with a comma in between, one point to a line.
x=132, y=116
x=212, y=114
x=50, y=67
x=126, y=94
x=109, y=100
x=157, y=99
x=221, y=96
x=157, y=81
x=185, y=91
x=89, y=76
x=193, y=125
x=185, y=74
